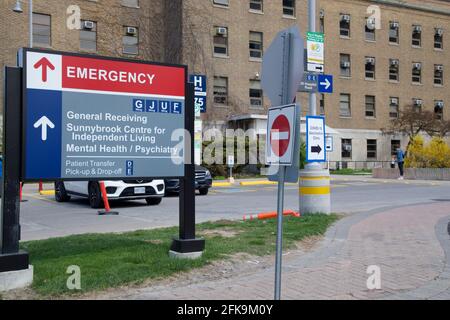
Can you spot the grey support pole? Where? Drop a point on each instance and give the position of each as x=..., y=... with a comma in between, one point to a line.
x=312, y=28
x=282, y=170
x=31, y=22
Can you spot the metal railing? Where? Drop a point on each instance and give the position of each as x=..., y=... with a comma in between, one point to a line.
x=360, y=165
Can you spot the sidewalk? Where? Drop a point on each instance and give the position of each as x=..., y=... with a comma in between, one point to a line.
x=407, y=243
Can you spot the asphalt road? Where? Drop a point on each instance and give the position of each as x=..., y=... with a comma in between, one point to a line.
x=42, y=217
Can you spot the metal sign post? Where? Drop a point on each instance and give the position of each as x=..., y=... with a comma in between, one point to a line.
x=11, y=258
x=282, y=73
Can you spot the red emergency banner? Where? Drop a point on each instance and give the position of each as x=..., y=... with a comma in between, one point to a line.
x=123, y=77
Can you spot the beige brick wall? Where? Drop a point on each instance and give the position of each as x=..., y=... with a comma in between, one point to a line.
x=240, y=69
x=110, y=16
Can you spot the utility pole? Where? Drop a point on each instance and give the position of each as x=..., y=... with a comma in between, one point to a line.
x=312, y=28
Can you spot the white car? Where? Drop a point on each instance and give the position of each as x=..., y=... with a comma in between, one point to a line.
x=150, y=190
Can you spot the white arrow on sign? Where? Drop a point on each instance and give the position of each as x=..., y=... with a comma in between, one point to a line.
x=45, y=123
x=327, y=84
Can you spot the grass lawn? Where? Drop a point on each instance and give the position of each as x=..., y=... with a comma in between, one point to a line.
x=352, y=172
x=111, y=260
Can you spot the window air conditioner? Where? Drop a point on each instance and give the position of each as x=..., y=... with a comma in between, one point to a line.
x=439, y=68
x=345, y=64
x=417, y=29
x=440, y=104
x=417, y=66
x=371, y=23
x=394, y=62
x=322, y=14
x=221, y=31
x=394, y=101
x=131, y=31
x=370, y=60
x=88, y=25
x=395, y=25
x=345, y=17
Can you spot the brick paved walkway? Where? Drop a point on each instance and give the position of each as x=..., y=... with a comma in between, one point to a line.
x=406, y=243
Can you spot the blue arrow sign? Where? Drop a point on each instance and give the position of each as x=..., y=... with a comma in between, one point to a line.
x=325, y=83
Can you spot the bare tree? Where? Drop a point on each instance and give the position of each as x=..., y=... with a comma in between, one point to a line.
x=412, y=122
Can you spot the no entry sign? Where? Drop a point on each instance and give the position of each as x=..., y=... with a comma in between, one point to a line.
x=281, y=126
x=101, y=118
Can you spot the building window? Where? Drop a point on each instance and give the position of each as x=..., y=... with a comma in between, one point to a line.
x=439, y=39
x=345, y=105
x=344, y=25
x=394, y=33
x=438, y=74
x=42, y=30
x=417, y=73
x=289, y=8
x=395, y=145
x=439, y=109
x=256, y=5
x=370, y=107
x=256, y=45
x=130, y=41
x=394, y=108
x=221, y=41
x=370, y=68
x=88, y=36
x=256, y=94
x=371, y=149
x=322, y=21
x=130, y=3
x=221, y=90
x=394, y=69
x=346, y=145
x=322, y=105
x=417, y=105
x=417, y=36
x=346, y=70
x=224, y=3
x=370, y=29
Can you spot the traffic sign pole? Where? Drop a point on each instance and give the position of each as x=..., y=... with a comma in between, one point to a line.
x=312, y=28
x=282, y=171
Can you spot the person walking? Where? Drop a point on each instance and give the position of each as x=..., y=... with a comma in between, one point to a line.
x=401, y=162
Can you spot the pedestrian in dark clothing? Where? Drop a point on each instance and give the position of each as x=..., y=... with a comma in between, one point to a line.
x=401, y=162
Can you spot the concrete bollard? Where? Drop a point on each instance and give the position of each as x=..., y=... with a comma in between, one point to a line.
x=315, y=190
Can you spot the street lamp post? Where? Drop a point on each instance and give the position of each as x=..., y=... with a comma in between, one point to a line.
x=18, y=9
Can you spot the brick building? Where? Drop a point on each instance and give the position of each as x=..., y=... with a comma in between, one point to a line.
x=378, y=69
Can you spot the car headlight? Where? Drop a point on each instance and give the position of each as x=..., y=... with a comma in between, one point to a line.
x=208, y=174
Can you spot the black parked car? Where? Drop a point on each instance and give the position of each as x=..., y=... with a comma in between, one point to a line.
x=203, y=182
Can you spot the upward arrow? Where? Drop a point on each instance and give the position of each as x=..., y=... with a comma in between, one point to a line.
x=45, y=65
x=44, y=123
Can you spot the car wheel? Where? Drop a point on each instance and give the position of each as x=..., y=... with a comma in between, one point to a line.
x=60, y=192
x=204, y=191
x=95, y=198
x=153, y=201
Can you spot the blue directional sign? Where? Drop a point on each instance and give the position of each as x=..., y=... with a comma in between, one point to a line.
x=325, y=83
x=199, y=82
x=315, y=139
x=94, y=118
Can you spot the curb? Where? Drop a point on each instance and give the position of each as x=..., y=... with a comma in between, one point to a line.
x=221, y=184
x=47, y=193
x=257, y=183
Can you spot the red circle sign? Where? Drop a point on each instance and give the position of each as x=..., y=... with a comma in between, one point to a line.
x=280, y=135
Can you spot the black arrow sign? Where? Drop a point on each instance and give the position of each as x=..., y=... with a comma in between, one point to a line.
x=317, y=149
